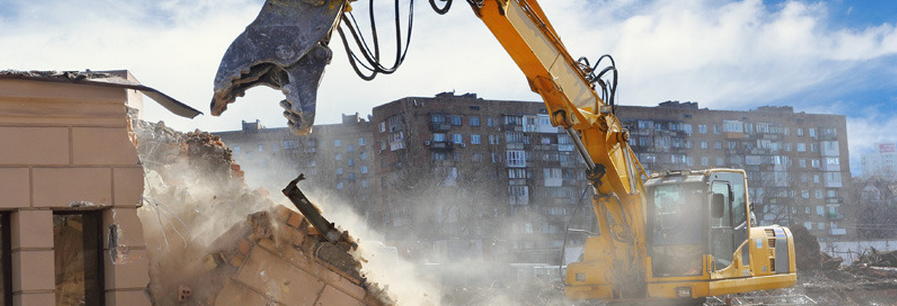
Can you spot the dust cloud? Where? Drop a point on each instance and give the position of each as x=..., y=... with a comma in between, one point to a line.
x=418, y=276
x=192, y=202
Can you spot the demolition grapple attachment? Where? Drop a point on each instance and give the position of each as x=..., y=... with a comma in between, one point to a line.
x=284, y=48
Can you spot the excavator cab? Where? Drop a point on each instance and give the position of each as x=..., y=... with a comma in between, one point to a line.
x=702, y=241
x=695, y=214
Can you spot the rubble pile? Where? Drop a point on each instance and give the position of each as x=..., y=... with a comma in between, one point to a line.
x=213, y=241
x=810, y=256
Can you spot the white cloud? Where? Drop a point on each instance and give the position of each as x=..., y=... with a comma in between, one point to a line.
x=723, y=54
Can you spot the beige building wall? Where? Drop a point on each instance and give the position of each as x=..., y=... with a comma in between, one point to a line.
x=65, y=147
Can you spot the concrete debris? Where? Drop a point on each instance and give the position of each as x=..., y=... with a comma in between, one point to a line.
x=213, y=241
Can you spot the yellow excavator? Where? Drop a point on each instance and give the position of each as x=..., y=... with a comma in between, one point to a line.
x=673, y=237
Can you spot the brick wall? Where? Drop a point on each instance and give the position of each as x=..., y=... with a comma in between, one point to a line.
x=284, y=268
x=66, y=147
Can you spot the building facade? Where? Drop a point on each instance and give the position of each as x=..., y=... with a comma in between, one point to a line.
x=72, y=185
x=796, y=163
x=882, y=162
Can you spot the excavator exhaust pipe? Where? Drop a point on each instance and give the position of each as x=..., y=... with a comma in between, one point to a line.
x=284, y=48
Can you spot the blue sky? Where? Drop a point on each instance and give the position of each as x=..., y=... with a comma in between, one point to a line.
x=836, y=57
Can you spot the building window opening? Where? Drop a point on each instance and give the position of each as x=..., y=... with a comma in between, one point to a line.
x=77, y=249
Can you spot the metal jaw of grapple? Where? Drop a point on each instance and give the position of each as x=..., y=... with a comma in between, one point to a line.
x=284, y=48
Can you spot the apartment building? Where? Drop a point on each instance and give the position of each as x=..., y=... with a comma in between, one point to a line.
x=796, y=163
x=457, y=176
x=882, y=162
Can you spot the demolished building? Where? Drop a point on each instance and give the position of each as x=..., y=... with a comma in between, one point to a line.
x=87, y=221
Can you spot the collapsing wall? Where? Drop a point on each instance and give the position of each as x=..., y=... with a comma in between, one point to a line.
x=212, y=241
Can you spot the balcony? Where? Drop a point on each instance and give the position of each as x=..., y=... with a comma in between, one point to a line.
x=440, y=126
x=838, y=232
x=440, y=145
x=834, y=216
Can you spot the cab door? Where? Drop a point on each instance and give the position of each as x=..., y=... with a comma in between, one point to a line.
x=722, y=239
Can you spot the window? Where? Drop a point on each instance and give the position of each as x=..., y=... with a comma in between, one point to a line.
x=79, y=257
x=800, y=132
x=516, y=158
x=339, y=170
x=339, y=185
x=733, y=126
x=456, y=120
x=382, y=127
x=820, y=210
x=490, y=121
x=337, y=142
x=514, y=137
x=702, y=129
x=261, y=148
x=474, y=121
x=716, y=129
x=361, y=141
x=350, y=148
x=801, y=147
x=474, y=139
x=235, y=149
x=338, y=156
x=732, y=145
x=457, y=138
x=512, y=120
x=493, y=140
x=802, y=163
x=350, y=162
x=477, y=157
x=364, y=169
x=287, y=144
x=437, y=118
x=438, y=137
x=718, y=145
x=518, y=195
x=819, y=194
x=703, y=144
x=812, y=132
x=364, y=183
x=364, y=155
